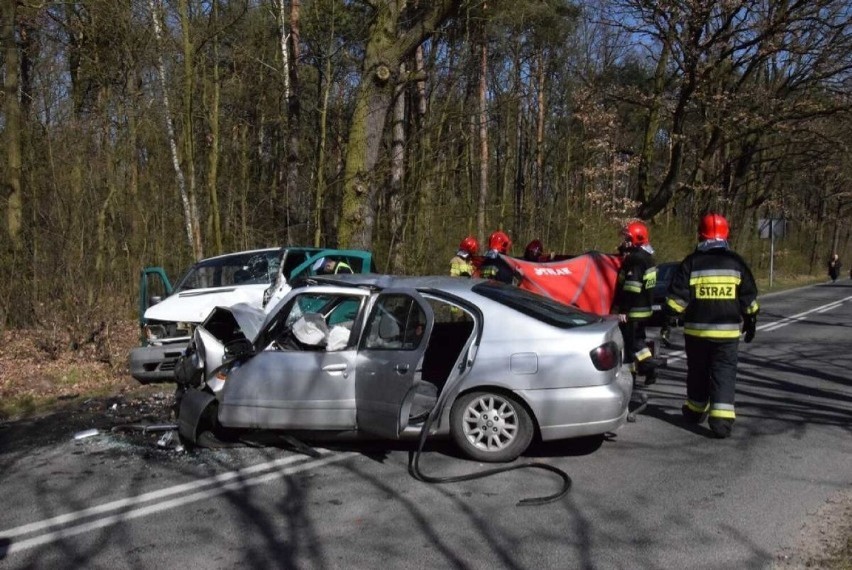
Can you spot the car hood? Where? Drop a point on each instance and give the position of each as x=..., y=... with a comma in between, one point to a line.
x=194, y=305
x=249, y=318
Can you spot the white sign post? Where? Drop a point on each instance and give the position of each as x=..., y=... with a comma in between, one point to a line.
x=770, y=228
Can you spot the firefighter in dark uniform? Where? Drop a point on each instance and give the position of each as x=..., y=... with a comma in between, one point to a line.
x=633, y=298
x=714, y=292
x=493, y=266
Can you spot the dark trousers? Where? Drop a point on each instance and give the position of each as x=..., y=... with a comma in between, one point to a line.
x=711, y=370
x=634, y=340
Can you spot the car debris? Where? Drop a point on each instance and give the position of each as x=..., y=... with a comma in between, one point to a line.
x=87, y=433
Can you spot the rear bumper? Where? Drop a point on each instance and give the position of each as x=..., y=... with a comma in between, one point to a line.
x=576, y=412
x=155, y=363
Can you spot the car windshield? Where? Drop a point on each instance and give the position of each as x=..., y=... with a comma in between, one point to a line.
x=537, y=306
x=229, y=270
x=325, y=311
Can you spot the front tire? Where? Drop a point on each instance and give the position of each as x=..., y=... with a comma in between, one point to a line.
x=491, y=426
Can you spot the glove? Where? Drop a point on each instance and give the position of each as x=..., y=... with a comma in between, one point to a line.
x=749, y=327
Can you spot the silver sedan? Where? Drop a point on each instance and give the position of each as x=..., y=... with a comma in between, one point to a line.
x=490, y=365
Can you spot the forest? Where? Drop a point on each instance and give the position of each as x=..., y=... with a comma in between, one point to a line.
x=160, y=132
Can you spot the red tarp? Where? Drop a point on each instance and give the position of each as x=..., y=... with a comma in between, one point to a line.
x=586, y=281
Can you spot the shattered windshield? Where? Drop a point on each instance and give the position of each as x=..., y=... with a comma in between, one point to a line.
x=228, y=270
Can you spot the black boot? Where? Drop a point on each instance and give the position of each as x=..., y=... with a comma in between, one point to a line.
x=691, y=415
x=648, y=369
x=721, y=427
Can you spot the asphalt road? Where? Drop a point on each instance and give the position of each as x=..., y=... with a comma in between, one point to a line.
x=659, y=494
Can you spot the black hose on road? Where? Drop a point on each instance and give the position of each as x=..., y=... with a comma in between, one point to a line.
x=414, y=470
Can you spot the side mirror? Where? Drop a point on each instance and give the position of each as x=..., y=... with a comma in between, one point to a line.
x=239, y=347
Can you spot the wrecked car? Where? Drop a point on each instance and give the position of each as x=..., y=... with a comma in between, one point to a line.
x=258, y=277
x=489, y=365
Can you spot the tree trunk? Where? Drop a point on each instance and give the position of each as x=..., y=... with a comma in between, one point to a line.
x=189, y=211
x=188, y=138
x=320, y=190
x=652, y=125
x=397, y=173
x=483, y=127
x=213, y=150
x=294, y=109
x=385, y=51
x=12, y=108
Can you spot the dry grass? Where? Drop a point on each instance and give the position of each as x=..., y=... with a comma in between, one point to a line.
x=47, y=369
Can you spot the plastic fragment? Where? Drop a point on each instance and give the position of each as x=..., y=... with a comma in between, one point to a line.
x=86, y=433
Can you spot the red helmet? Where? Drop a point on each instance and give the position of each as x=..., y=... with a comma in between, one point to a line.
x=534, y=250
x=636, y=233
x=713, y=226
x=499, y=241
x=469, y=245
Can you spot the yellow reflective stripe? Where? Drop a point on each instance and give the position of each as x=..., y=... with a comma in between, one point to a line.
x=725, y=414
x=643, y=354
x=715, y=280
x=697, y=407
x=640, y=313
x=713, y=333
x=633, y=286
x=753, y=308
x=675, y=304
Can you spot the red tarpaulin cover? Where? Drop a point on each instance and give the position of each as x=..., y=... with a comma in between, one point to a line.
x=586, y=281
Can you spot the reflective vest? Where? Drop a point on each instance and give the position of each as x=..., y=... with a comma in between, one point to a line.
x=713, y=290
x=635, y=285
x=460, y=267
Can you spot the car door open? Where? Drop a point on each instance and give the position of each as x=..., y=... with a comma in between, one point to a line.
x=389, y=357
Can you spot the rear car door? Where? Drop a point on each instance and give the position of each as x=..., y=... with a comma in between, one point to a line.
x=389, y=358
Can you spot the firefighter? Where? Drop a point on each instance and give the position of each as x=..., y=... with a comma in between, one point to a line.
x=493, y=266
x=461, y=265
x=534, y=251
x=633, y=298
x=714, y=292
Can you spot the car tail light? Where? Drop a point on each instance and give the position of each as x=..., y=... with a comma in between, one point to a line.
x=606, y=356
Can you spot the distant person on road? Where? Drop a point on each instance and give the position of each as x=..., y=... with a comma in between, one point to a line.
x=714, y=292
x=461, y=265
x=634, y=296
x=834, y=267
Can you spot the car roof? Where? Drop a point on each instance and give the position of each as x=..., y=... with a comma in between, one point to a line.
x=235, y=253
x=382, y=281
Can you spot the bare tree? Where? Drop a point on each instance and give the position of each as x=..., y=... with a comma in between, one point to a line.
x=190, y=209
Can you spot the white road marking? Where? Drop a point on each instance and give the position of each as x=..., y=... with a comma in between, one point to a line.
x=218, y=485
x=775, y=325
x=768, y=327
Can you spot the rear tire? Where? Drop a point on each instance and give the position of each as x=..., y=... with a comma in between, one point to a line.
x=491, y=426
